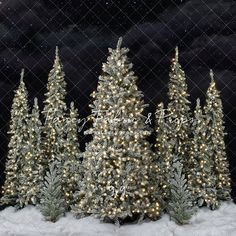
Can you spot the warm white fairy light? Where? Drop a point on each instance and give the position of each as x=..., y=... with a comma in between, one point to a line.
x=215, y=130
x=120, y=139
x=17, y=132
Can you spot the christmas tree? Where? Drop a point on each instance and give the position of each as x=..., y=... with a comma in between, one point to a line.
x=54, y=113
x=72, y=165
x=163, y=149
x=52, y=201
x=180, y=207
x=31, y=173
x=178, y=113
x=17, y=145
x=118, y=162
x=215, y=136
x=202, y=164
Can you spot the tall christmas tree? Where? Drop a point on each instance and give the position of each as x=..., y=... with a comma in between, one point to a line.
x=118, y=161
x=72, y=164
x=163, y=149
x=215, y=135
x=54, y=113
x=31, y=173
x=18, y=138
x=202, y=164
x=178, y=112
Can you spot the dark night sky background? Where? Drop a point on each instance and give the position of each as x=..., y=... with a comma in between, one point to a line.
x=204, y=30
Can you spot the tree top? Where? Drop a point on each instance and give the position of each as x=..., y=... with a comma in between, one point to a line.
x=57, y=57
x=198, y=102
x=176, y=53
x=57, y=51
x=72, y=105
x=35, y=101
x=119, y=43
x=160, y=105
x=212, y=75
x=22, y=75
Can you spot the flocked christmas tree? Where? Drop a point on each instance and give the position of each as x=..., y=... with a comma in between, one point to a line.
x=16, y=148
x=72, y=165
x=180, y=207
x=31, y=173
x=52, y=204
x=54, y=113
x=163, y=149
x=178, y=113
x=215, y=136
x=202, y=164
x=118, y=161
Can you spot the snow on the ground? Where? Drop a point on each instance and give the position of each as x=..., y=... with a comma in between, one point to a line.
x=29, y=222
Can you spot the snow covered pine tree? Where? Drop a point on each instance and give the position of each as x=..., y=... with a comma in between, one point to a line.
x=72, y=166
x=52, y=204
x=178, y=114
x=215, y=136
x=31, y=173
x=54, y=129
x=203, y=175
x=54, y=113
x=18, y=138
x=118, y=161
x=180, y=207
x=163, y=150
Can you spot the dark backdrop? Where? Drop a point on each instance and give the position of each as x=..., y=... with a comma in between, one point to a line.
x=205, y=31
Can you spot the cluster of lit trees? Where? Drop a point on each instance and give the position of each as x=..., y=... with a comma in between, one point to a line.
x=120, y=176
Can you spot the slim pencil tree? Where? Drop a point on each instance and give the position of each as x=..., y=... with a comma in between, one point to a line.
x=17, y=145
x=163, y=150
x=72, y=165
x=215, y=135
x=178, y=114
x=202, y=164
x=54, y=113
x=31, y=173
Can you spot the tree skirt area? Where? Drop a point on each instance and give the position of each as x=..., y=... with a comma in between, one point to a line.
x=29, y=222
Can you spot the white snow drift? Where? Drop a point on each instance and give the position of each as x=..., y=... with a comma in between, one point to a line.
x=29, y=222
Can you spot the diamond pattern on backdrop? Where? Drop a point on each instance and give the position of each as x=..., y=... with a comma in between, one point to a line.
x=30, y=30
